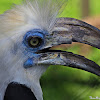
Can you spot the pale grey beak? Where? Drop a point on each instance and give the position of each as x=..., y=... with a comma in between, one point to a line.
x=66, y=31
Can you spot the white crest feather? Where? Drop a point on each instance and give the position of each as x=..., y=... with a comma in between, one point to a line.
x=14, y=24
x=36, y=13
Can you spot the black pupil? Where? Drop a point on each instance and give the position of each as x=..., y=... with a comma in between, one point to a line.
x=34, y=41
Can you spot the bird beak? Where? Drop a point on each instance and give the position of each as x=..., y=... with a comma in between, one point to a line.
x=66, y=31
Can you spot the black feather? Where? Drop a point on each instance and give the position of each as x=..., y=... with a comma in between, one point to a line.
x=17, y=91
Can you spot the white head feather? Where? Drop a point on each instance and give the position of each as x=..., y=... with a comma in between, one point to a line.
x=14, y=24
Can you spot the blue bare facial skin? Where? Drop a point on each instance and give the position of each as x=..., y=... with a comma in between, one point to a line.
x=28, y=63
x=33, y=41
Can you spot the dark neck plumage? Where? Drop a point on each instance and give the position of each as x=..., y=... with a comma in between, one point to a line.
x=17, y=91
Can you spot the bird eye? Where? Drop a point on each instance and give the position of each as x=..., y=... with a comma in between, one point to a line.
x=34, y=42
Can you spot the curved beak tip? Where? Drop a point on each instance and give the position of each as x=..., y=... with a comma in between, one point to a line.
x=66, y=31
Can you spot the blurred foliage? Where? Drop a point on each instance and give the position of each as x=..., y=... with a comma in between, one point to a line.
x=94, y=7
x=64, y=83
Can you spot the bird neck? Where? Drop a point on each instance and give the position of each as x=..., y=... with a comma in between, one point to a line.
x=30, y=77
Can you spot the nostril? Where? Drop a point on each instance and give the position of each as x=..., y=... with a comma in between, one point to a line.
x=74, y=40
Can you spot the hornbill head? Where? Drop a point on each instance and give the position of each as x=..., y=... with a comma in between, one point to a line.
x=28, y=31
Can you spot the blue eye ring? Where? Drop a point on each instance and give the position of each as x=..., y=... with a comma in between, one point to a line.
x=36, y=34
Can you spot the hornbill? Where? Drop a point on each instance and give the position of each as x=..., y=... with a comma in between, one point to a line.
x=27, y=32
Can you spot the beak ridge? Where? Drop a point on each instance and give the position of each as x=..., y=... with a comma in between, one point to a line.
x=76, y=31
x=66, y=31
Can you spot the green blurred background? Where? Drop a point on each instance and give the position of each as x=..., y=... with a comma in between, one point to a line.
x=64, y=83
